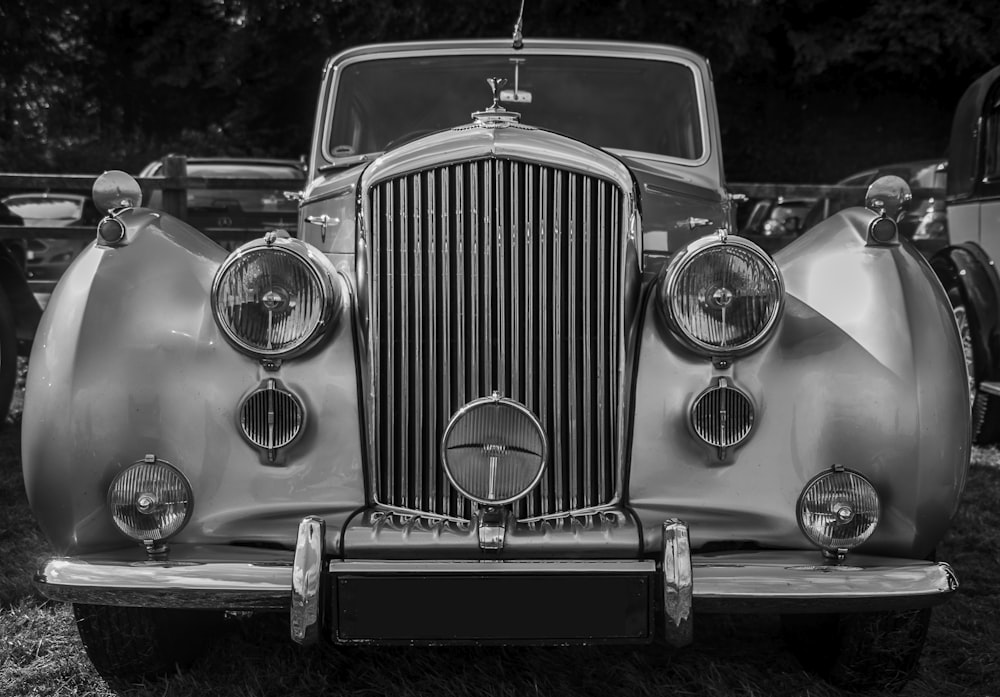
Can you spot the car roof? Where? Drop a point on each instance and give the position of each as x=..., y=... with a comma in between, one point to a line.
x=155, y=165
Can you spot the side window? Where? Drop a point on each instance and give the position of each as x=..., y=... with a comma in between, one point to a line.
x=991, y=136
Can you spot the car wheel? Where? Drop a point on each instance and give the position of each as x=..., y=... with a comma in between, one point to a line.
x=8, y=355
x=985, y=410
x=859, y=651
x=138, y=642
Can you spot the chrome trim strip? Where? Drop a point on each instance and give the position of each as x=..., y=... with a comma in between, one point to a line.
x=224, y=585
x=390, y=370
x=588, y=352
x=602, y=331
x=400, y=449
x=557, y=381
x=430, y=477
x=675, y=554
x=482, y=567
x=794, y=582
x=307, y=570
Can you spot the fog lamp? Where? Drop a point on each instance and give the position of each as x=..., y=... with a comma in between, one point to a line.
x=838, y=510
x=494, y=450
x=150, y=500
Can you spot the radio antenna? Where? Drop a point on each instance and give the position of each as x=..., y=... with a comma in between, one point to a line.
x=518, y=36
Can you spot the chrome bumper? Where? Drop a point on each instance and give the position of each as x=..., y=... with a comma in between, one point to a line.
x=728, y=582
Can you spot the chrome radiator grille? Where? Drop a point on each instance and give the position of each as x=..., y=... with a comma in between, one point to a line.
x=495, y=275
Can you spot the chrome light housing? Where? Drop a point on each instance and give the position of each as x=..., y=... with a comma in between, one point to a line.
x=722, y=295
x=494, y=450
x=838, y=510
x=723, y=416
x=150, y=500
x=275, y=297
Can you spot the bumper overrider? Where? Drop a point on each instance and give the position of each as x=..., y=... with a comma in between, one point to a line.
x=484, y=601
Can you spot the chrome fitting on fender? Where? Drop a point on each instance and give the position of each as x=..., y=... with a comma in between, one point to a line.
x=678, y=583
x=307, y=572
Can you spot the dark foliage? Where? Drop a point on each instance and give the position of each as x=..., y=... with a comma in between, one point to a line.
x=809, y=89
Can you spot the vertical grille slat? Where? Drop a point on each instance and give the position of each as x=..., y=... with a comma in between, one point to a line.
x=495, y=275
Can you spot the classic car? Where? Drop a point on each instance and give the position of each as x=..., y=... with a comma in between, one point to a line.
x=771, y=223
x=924, y=221
x=967, y=268
x=511, y=380
x=221, y=210
x=46, y=258
x=19, y=312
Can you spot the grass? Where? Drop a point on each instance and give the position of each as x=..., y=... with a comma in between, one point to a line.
x=40, y=653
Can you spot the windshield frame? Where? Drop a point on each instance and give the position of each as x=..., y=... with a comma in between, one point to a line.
x=553, y=48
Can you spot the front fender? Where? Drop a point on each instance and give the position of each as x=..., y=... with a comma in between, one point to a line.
x=129, y=361
x=864, y=370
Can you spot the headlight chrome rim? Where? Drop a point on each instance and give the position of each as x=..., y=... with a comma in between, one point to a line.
x=145, y=499
x=673, y=274
x=847, y=515
x=318, y=268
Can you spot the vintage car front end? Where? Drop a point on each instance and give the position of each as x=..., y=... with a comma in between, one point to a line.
x=504, y=386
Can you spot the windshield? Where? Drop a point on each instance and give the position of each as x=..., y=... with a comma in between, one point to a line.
x=647, y=106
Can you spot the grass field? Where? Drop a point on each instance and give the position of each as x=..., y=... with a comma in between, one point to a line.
x=40, y=653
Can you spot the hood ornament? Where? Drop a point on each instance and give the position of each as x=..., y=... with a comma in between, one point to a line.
x=495, y=116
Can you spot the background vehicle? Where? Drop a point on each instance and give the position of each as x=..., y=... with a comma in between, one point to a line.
x=924, y=221
x=773, y=223
x=11, y=267
x=48, y=258
x=967, y=268
x=513, y=381
x=221, y=210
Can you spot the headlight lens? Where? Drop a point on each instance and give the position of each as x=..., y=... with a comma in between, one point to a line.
x=722, y=296
x=838, y=510
x=150, y=500
x=274, y=298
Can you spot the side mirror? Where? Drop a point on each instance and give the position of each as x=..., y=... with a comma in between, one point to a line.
x=887, y=196
x=116, y=189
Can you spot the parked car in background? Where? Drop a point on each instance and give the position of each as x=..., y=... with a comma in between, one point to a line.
x=220, y=211
x=12, y=255
x=47, y=258
x=513, y=379
x=968, y=267
x=924, y=221
x=772, y=223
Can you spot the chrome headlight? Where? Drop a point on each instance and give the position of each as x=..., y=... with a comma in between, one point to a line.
x=722, y=295
x=838, y=510
x=275, y=297
x=150, y=500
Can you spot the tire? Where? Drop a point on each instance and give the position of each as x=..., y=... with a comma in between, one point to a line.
x=859, y=651
x=8, y=356
x=135, y=642
x=985, y=408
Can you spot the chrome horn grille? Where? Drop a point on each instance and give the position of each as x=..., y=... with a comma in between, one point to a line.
x=495, y=275
x=271, y=418
x=722, y=416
